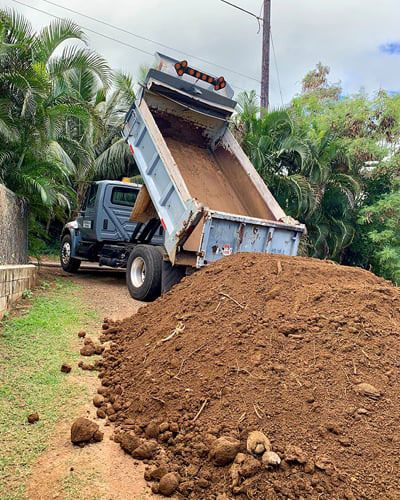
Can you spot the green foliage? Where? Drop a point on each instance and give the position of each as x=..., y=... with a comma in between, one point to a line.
x=32, y=349
x=60, y=116
x=382, y=224
x=307, y=169
x=332, y=162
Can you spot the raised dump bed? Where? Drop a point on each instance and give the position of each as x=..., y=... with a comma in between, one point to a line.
x=210, y=199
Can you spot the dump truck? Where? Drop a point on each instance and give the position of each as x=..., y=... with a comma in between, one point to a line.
x=201, y=197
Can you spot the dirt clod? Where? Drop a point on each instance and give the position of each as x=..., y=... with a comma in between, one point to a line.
x=168, y=484
x=98, y=400
x=33, y=418
x=224, y=450
x=295, y=454
x=145, y=451
x=81, y=334
x=86, y=366
x=155, y=474
x=128, y=441
x=65, y=368
x=88, y=350
x=85, y=431
x=101, y=413
x=152, y=430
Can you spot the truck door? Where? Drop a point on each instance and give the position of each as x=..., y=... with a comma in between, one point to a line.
x=87, y=215
x=118, y=202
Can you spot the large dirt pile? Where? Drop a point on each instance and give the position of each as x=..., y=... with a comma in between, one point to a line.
x=305, y=351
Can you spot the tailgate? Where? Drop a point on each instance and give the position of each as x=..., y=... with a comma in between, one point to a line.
x=224, y=234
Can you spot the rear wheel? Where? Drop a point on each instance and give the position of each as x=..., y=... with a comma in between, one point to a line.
x=68, y=263
x=143, y=272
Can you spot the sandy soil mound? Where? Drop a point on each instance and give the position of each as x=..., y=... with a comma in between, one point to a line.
x=304, y=351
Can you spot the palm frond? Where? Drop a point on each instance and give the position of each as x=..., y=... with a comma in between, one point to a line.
x=73, y=58
x=52, y=36
x=19, y=29
x=112, y=162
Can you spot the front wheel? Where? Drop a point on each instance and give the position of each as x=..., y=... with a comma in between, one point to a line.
x=143, y=272
x=68, y=263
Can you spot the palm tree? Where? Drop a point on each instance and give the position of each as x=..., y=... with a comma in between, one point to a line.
x=98, y=150
x=37, y=103
x=307, y=170
x=278, y=153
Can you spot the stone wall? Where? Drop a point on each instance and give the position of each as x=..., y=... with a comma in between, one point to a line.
x=13, y=281
x=13, y=229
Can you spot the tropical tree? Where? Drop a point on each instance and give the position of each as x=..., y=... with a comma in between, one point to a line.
x=381, y=221
x=98, y=150
x=60, y=112
x=36, y=104
x=306, y=168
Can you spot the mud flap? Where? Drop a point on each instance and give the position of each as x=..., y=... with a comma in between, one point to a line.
x=171, y=275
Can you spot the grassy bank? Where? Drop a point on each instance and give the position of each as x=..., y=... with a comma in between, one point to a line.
x=32, y=350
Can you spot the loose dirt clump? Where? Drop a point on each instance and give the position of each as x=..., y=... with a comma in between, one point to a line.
x=33, y=418
x=85, y=431
x=305, y=352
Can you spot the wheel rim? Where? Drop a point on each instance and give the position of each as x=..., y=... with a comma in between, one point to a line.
x=66, y=253
x=138, y=272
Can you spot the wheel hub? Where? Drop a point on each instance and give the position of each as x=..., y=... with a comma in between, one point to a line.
x=138, y=272
x=66, y=253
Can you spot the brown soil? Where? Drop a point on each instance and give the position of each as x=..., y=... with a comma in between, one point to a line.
x=305, y=351
x=204, y=178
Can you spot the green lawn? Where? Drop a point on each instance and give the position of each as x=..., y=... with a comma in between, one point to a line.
x=32, y=350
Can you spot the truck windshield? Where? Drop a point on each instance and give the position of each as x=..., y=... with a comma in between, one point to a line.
x=124, y=196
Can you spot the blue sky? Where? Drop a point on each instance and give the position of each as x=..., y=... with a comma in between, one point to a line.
x=391, y=48
x=358, y=39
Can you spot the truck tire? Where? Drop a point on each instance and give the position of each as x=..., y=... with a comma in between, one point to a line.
x=143, y=272
x=68, y=263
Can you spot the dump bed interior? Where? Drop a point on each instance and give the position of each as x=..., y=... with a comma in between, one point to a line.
x=212, y=174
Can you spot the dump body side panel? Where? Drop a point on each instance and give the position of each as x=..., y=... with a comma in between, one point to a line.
x=175, y=207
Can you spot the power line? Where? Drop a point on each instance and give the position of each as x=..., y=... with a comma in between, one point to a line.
x=276, y=68
x=106, y=36
x=87, y=29
x=267, y=38
x=259, y=18
x=120, y=28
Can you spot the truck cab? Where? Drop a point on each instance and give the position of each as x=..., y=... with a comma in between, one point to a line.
x=104, y=215
x=103, y=232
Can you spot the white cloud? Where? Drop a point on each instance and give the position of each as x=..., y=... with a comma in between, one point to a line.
x=345, y=34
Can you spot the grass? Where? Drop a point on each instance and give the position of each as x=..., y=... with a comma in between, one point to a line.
x=72, y=486
x=32, y=350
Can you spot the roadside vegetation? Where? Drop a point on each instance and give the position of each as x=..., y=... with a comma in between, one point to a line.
x=331, y=160
x=33, y=346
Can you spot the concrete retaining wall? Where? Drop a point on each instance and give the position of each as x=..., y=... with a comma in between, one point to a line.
x=13, y=228
x=13, y=281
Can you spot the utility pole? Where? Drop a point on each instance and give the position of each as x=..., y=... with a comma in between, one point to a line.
x=265, y=54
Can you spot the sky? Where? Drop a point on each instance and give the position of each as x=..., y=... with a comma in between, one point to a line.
x=358, y=39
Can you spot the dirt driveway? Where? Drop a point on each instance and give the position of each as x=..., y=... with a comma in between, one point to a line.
x=103, y=470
